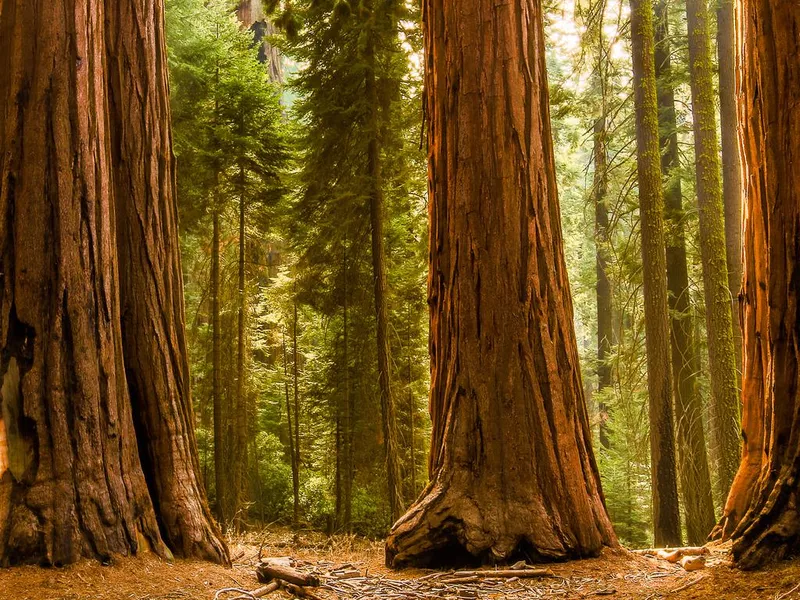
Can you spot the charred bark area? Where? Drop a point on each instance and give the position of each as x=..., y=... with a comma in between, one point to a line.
x=74, y=486
x=512, y=469
x=151, y=281
x=761, y=515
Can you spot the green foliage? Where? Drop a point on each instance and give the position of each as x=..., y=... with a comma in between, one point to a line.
x=300, y=172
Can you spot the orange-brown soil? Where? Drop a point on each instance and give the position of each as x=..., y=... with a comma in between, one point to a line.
x=616, y=574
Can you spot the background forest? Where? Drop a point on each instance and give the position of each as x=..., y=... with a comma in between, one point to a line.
x=298, y=131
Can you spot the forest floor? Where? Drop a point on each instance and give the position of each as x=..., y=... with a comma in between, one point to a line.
x=616, y=574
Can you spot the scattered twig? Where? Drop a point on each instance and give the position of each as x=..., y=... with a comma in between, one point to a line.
x=688, y=585
x=239, y=591
x=787, y=594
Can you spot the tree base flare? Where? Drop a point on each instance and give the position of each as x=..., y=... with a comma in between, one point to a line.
x=448, y=528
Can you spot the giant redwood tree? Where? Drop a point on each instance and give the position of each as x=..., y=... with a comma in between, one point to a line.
x=512, y=470
x=761, y=515
x=101, y=457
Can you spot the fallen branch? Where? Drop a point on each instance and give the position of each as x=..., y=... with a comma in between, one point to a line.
x=673, y=555
x=503, y=573
x=268, y=571
x=299, y=591
x=245, y=595
x=688, y=585
x=693, y=563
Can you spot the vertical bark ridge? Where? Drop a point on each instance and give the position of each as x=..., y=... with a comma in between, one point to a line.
x=75, y=485
x=151, y=281
x=761, y=513
x=512, y=469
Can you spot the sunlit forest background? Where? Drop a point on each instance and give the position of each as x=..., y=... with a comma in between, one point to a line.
x=273, y=130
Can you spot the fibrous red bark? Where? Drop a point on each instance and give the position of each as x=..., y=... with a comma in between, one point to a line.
x=151, y=280
x=761, y=514
x=511, y=467
x=85, y=179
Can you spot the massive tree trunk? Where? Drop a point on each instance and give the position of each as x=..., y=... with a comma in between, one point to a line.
x=82, y=158
x=698, y=501
x=251, y=15
x=731, y=164
x=151, y=281
x=376, y=211
x=605, y=325
x=511, y=465
x=721, y=352
x=761, y=513
x=666, y=519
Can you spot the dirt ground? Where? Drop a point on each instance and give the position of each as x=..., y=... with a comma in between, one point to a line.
x=616, y=574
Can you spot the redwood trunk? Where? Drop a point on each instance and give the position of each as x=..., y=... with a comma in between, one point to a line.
x=81, y=159
x=666, y=520
x=511, y=466
x=695, y=478
x=151, y=280
x=761, y=513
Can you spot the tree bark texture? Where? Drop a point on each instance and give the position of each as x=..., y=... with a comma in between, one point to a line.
x=761, y=514
x=77, y=166
x=666, y=519
x=511, y=467
x=731, y=161
x=151, y=280
x=721, y=350
x=695, y=478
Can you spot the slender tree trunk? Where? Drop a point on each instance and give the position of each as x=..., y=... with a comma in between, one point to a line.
x=666, y=520
x=512, y=469
x=761, y=513
x=292, y=453
x=151, y=280
x=220, y=479
x=698, y=502
x=376, y=210
x=296, y=383
x=74, y=484
x=338, y=466
x=731, y=164
x=721, y=352
x=238, y=457
x=605, y=326
x=348, y=411
x=412, y=409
